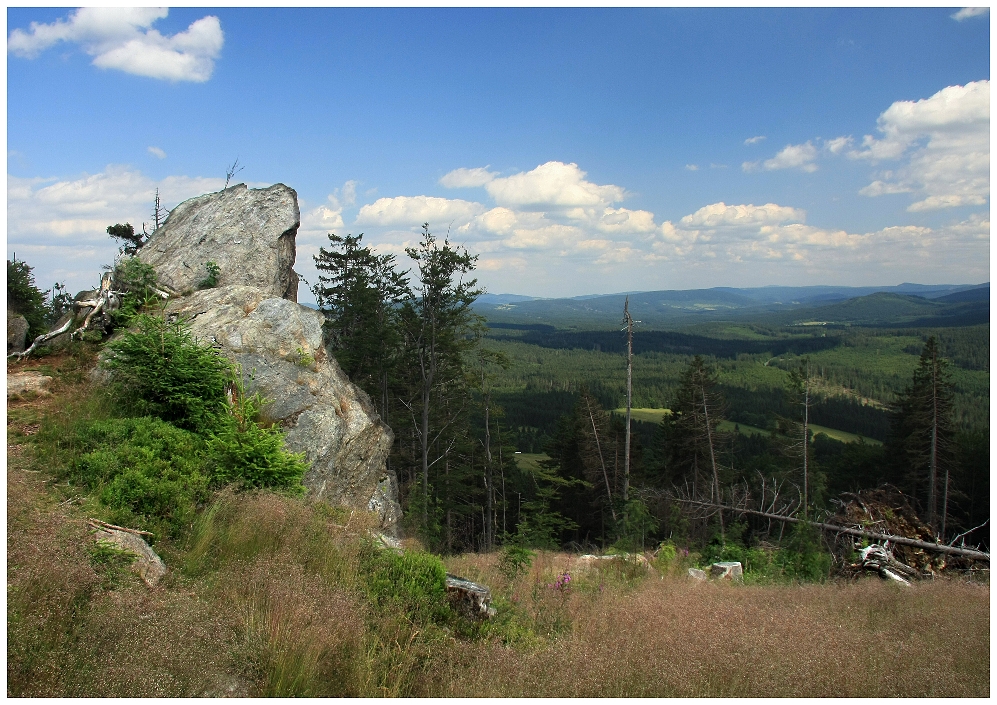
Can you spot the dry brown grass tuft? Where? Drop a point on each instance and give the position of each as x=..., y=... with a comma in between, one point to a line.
x=67, y=635
x=299, y=635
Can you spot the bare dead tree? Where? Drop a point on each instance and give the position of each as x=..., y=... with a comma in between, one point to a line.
x=602, y=462
x=630, y=364
x=158, y=214
x=234, y=169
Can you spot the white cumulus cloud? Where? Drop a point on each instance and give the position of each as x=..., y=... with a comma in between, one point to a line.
x=157, y=152
x=944, y=142
x=967, y=12
x=754, y=140
x=409, y=211
x=59, y=226
x=552, y=186
x=123, y=39
x=467, y=178
x=720, y=214
x=718, y=240
x=838, y=144
x=793, y=156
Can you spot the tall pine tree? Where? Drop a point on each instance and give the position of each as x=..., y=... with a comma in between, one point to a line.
x=922, y=434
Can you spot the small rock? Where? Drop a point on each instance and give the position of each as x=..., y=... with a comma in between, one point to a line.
x=23, y=384
x=469, y=598
x=697, y=574
x=148, y=564
x=727, y=570
x=227, y=686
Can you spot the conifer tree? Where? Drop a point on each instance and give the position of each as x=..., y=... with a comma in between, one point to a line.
x=440, y=329
x=360, y=297
x=922, y=433
x=691, y=431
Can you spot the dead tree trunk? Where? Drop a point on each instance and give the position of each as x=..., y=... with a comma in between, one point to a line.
x=834, y=528
x=605, y=475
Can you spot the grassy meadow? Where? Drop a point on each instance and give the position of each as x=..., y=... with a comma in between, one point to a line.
x=269, y=594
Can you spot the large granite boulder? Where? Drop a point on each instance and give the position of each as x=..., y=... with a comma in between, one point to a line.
x=248, y=233
x=279, y=347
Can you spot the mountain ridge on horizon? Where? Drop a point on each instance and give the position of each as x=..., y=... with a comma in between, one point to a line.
x=902, y=288
x=904, y=304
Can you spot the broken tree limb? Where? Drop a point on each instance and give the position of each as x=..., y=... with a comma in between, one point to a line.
x=833, y=528
x=98, y=524
x=43, y=338
x=86, y=321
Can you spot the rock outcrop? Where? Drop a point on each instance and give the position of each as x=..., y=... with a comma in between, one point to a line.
x=279, y=347
x=248, y=233
x=17, y=331
x=727, y=570
x=252, y=318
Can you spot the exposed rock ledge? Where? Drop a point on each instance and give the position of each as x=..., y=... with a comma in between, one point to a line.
x=279, y=346
x=248, y=233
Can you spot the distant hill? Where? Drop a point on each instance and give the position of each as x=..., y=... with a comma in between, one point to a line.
x=884, y=309
x=979, y=294
x=780, y=305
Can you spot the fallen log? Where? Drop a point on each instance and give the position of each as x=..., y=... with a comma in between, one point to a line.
x=835, y=529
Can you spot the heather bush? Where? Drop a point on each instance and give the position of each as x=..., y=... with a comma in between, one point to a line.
x=144, y=471
x=412, y=582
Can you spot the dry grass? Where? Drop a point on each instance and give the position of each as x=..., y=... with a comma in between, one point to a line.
x=671, y=637
x=68, y=635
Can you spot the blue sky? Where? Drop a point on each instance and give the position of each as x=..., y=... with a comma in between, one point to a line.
x=576, y=151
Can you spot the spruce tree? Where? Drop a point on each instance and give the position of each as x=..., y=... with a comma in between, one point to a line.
x=922, y=434
x=360, y=295
x=440, y=331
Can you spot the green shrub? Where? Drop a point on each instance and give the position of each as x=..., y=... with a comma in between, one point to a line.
x=144, y=471
x=162, y=371
x=133, y=276
x=515, y=560
x=413, y=582
x=803, y=558
x=800, y=558
x=211, y=280
x=252, y=456
x=25, y=298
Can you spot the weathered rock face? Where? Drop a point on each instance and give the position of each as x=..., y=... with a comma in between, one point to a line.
x=17, y=331
x=248, y=233
x=279, y=346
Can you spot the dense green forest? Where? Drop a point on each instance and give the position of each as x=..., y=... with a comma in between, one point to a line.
x=505, y=434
